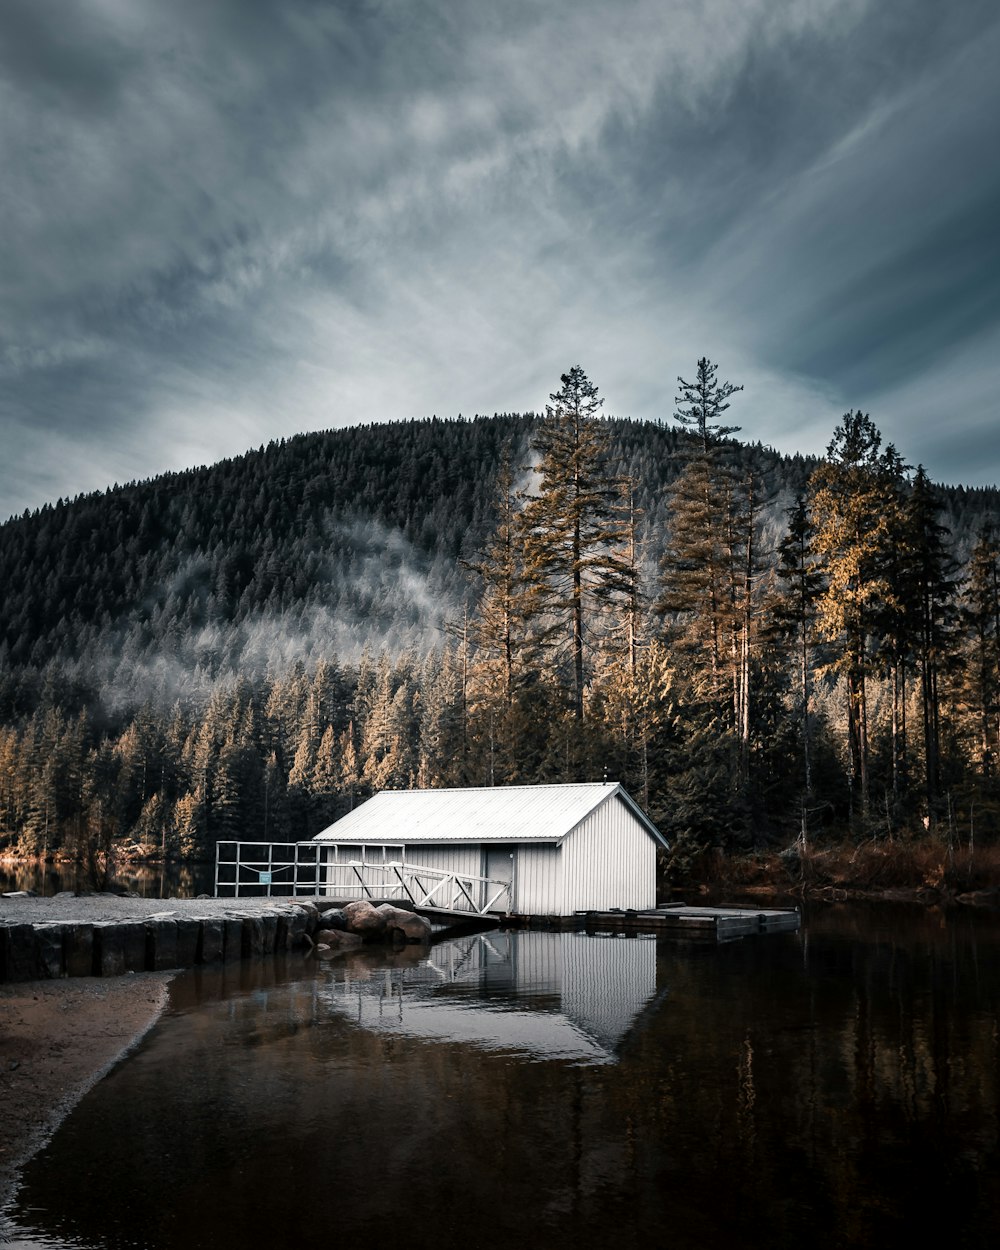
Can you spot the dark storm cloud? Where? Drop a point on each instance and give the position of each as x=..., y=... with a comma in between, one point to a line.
x=908, y=309
x=226, y=222
x=876, y=266
x=64, y=60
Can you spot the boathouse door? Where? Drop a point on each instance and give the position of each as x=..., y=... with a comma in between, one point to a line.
x=498, y=865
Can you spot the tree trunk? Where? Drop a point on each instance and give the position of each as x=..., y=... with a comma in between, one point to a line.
x=577, y=628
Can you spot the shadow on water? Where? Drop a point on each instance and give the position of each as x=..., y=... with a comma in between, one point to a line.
x=838, y=1086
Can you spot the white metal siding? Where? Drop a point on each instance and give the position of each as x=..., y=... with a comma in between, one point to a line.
x=606, y=982
x=538, y=889
x=465, y=859
x=609, y=861
x=599, y=983
x=351, y=852
x=538, y=967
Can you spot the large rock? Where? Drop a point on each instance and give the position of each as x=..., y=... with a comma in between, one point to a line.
x=336, y=940
x=404, y=926
x=364, y=919
x=333, y=919
x=296, y=927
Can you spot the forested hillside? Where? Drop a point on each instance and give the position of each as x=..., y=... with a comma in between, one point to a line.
x=761, y=648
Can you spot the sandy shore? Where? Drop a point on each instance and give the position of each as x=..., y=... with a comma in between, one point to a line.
x=57, y=1039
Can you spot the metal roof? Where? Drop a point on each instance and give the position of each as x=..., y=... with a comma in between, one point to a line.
x=479, y=814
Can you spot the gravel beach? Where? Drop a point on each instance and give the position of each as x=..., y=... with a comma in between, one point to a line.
x=90, y=908
x=59, y=1037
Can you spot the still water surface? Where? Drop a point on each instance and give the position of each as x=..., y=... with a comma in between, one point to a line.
x=836, y=1087
x=146, y=880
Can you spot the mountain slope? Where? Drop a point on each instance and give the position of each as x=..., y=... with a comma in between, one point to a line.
x=316, y=545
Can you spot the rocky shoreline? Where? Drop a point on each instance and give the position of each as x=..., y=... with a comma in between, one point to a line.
x=107, y=935
x=60, y=1032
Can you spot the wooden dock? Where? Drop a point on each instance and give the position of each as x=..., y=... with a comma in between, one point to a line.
x=452, y=924
x=718, y=924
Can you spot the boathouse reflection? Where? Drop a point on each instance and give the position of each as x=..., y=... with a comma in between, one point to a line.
x=553, y=996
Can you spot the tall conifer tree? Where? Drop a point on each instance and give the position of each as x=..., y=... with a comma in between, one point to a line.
x=795, y=615
x=571, y=527
x=710, y=563
x=701, y=403
x=981, y=614
x=852, y=498
x=934, y=586
x=497, y=628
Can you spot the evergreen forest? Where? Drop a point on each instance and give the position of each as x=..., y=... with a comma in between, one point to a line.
x=770, y=653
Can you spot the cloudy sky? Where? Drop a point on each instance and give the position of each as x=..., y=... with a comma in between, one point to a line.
x=225, y=221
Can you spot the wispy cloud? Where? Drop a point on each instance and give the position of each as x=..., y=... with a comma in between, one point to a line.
x=230, y=222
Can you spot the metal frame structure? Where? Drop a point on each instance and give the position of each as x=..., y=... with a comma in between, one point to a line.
x=267, y=869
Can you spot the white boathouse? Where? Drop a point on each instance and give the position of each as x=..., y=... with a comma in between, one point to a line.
x=561, y=848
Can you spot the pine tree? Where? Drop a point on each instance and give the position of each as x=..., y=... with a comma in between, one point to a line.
x=388, y=735
x=190, y=821
x=710, y=564
x=139, y=749
x=697, y=565
x=324, y=784
x=571, y=527
x=853, y=497
x=441, y=718
x=300, y=778
x=894, y=622
x=349, y=773
x=617, y=688
x=96, y=852
x=981, y=615
x=702, y=402
x=498, y=625
x=10, y=748
x=745, y=568
x=43, y=783
x=934, y=588
x=795, y=615
x=694, y=569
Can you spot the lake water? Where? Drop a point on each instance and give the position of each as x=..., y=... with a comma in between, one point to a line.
x=146, y=880
x=835, y=1087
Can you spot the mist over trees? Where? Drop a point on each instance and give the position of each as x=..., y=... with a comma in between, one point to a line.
x=765, y=650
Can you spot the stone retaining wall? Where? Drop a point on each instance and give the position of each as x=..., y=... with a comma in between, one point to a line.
x=108, y=935
x=105, y=948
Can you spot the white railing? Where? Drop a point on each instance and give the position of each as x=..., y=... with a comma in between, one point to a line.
x=267, y=869
x=285, y=868
x=435, y=888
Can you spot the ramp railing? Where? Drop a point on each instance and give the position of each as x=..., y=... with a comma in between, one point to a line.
x=270, y=869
